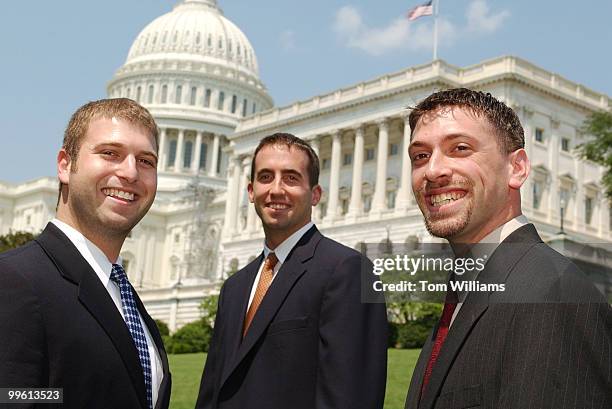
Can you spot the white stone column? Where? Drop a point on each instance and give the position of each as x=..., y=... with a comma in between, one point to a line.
x=242, y=191
x=403, y=195
x=215, y=156
x=378, y=201
x=356, y=204
x=231, y=204
x=178, y=160
x=195, y=162
x=161, y=154
x=314, y=144
x=334, y=176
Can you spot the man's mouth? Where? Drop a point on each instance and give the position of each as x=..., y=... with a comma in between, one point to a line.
x=120, y=194
x=445, y=198
x=278, y=206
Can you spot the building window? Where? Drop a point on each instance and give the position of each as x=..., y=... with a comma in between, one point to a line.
x=565, y=144
x=348, y=159
x=370, y=154
x=588, y=209
x=538, y=189
x=254, y=107
x=323, y=207
x=234, y=103
x=164, y=94
x=138, y=92
x=345, y=206
x=128, y=92
x=203, y=153
x=28, y=220
x=325, y=163
x=244, y=107
x=179, y=94
x=219, y=152
x=221, y=101
x=151, y=94
x=391, y=199
x=393, y=149
x=192, y=97
x=126, y=266
x=172, y=152
x=177, y=237
x=367, y=203
x=187, y=155
x=539, y=135
x=207, y=95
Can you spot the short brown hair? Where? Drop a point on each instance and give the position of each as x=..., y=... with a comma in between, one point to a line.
x=120, y=108
x=502, y=118
x=290, y=141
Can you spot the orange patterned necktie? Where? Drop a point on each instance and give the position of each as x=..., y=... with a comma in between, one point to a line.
x=265, y=279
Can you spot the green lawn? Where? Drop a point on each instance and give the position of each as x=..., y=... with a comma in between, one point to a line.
x=187, y=370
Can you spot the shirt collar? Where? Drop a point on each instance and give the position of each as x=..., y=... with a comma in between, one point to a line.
x=90, y=252
x=282, y=250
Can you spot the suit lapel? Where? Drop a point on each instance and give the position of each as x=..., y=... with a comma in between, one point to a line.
x=496, y=270
x=291, y=270
x=94, y=297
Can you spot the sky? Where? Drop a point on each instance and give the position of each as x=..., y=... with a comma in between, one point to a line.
x=57, y=55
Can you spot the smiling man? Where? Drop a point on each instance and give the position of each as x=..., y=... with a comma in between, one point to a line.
x=69, y=317
x=291, y=329
x=546, y=340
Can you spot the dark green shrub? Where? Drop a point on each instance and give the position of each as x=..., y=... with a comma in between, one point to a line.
x=162, y=327
x=193, y=337
x=412, y=334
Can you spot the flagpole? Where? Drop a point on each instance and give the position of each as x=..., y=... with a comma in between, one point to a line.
x=435, y=44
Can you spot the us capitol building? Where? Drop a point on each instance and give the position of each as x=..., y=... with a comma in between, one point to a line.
x=197, y=73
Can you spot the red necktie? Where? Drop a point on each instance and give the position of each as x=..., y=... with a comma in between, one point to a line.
x=445, y=321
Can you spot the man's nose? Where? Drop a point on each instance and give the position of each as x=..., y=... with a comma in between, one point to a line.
x=438, y=167
x=127, y=169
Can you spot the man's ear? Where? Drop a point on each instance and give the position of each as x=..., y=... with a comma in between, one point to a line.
x=64, y=165
x=250, y=192
x=317, y=191
x=520, y=167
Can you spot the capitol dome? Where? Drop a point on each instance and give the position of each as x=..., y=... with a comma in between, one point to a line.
x=195, y=30
x=193, y=63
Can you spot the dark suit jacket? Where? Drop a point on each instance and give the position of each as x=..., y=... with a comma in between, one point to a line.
x=312, y=343
x=60, y=328
x=545, y=342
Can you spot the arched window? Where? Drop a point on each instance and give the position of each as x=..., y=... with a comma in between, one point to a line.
x=203, y=153
x=172, y=153
x=192, y=98
x=221, y=101
x=234, y=103
x=244, y=107
x=207, y=96
x=179, y=94
x=164, y=94
x=187, y=155
x=151, y=93
x=138, y=92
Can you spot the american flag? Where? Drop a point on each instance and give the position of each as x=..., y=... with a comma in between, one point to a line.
x=425, y=9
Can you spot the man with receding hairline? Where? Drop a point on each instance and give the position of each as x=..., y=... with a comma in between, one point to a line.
x=291, y=329
x=69, y=317
x=543, y=339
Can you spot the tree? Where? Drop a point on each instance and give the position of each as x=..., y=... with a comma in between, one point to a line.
x=599, y=148
x=14, y=239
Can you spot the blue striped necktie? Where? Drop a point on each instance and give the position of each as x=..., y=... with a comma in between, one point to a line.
x=132, y=319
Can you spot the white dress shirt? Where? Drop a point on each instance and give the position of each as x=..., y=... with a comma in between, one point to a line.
x=494, y=239
x=282, y=252
x=103, y=267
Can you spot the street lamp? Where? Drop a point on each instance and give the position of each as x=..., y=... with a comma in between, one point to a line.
x=562, y=203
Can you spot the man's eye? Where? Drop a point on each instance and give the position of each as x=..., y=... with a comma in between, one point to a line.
x=419, y=156
x=109, y=153
x=462, y=147
x=147, y=162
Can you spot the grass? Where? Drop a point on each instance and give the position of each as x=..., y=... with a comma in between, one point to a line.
x=187, y=371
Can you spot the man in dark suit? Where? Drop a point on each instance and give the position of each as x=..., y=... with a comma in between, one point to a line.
x=69, y=317
x=291, y=328
x=539, y=335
